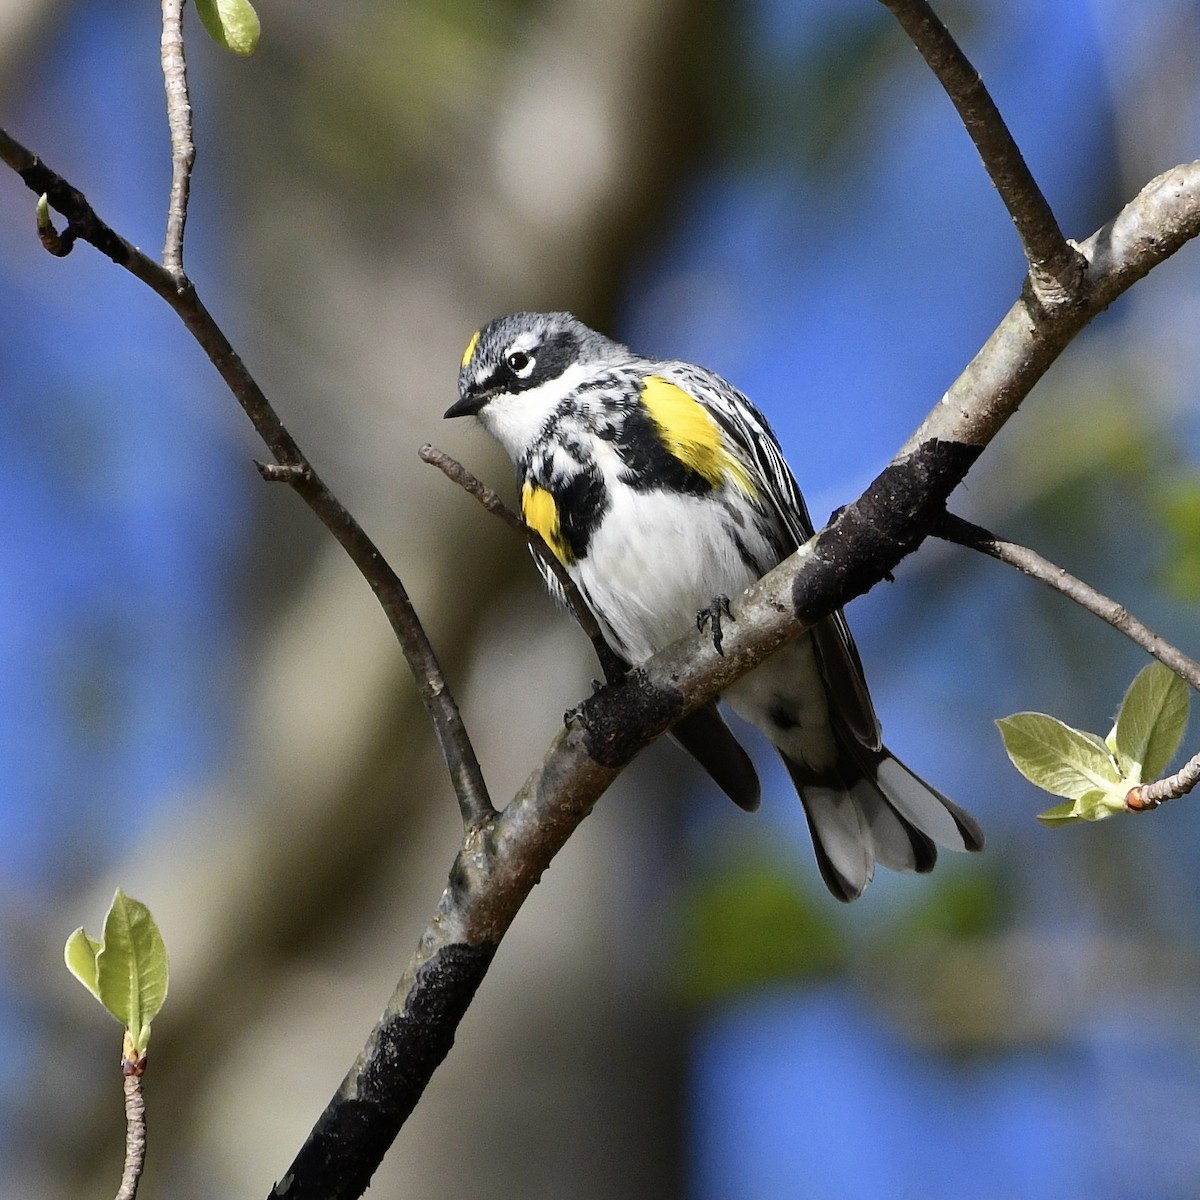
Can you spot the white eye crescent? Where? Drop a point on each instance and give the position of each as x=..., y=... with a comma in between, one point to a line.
x=520, y=363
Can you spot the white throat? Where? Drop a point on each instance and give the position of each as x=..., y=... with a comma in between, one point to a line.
x=516, y=418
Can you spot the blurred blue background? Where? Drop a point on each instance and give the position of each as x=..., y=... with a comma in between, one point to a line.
x=1017, y=1025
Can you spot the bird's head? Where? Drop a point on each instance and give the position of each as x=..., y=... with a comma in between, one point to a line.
x=517, y=370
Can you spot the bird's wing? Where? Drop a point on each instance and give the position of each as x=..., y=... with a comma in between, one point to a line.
x=751, y=435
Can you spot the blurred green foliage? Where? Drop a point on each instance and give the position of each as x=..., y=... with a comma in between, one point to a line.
x=1178, y=508
x=416, y=70
x=952, y=905
x=747, y=922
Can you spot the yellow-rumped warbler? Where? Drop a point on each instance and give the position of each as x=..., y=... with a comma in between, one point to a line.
x=662, y=490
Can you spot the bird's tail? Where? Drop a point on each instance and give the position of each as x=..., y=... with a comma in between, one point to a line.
x=871, y=808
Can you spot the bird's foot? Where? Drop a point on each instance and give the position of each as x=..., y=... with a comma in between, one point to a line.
x=711, y=617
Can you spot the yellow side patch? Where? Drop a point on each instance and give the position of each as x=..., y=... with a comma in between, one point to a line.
x=470, y=350
x=690, y=433
x=540, y=511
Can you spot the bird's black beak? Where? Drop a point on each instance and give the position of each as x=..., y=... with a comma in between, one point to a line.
x=468, y=406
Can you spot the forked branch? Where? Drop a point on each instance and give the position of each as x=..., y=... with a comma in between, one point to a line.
x=493, y=875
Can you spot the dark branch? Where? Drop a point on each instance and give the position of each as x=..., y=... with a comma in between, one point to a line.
x=179, y=293
x=611, y=663
x=81, y=218
x=1056, y=268
x=351, y=1138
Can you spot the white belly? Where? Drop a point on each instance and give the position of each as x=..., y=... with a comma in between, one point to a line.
x=656, y=560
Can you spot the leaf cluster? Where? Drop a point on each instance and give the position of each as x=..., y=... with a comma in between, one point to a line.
x=125, y=969
x=1095, y=774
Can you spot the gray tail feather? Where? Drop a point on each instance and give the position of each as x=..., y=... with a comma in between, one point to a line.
x=706, y=737
x=871, y=808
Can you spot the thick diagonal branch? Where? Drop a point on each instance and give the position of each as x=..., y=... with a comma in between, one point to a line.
x=498, y=866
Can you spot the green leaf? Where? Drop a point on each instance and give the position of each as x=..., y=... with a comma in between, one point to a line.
x=1057, y=758
x=132, y=967
x=80, y=954
x=1151, y=723
x=231, y=23
x=1060, y=814
x=1093, y=806
x=126, y=970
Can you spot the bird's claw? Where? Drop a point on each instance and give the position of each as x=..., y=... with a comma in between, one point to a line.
x=711, y=617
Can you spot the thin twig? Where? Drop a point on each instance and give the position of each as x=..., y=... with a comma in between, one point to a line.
x=1056, y=268
x=181, y=295
x=135, y=1129
x=963, y=533
x=1150, y=795
x=611, y=663
x=179, y=121
x=954, y=529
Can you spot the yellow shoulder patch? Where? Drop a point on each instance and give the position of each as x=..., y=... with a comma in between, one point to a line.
x=540, y=510
x=470, y=350
x=690, y=433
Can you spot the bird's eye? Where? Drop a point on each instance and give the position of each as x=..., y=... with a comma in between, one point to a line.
x=520, y=363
